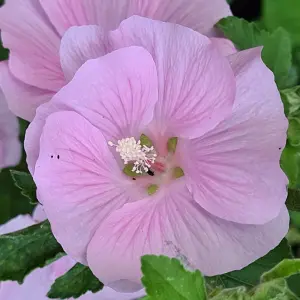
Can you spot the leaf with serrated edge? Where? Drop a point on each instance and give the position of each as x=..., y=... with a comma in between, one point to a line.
x=273, y=290
x=75, y=283
x=293, y=199
x=284, y=269
x=242, y=33
x=277, y=51
x=165, y=278
x=25, y=183
x=24, y=250
x=277, y=55
x=239, y=293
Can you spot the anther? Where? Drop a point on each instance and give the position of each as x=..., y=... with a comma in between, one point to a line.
x=131, y=150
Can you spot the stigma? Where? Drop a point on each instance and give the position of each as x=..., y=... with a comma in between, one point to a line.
x=132, y=151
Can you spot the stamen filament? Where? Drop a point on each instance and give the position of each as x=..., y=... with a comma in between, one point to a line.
x=131, y=150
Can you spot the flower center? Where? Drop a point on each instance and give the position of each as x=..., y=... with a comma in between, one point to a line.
x=141, y=159
x=140, y=155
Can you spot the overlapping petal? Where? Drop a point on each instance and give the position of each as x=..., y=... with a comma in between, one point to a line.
x=116, y=93
x=86, y=182
x=10, y=146
x=234, y=169
x=40, y=280
x=172, y=223
x=33, y=44
x=22, y=99
x=79, y=44
x=199, y=15
x=196, y=84
x=32, y=31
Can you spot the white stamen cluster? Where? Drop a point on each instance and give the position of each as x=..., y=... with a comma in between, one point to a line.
x=132, y=151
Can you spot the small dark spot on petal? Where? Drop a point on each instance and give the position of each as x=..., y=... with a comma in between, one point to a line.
x=280, y=148
x=58, y=156
x=51, y=156
x=133, y=178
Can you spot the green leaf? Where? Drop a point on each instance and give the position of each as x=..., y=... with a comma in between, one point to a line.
x=243, y=34
x=295, y=218
x=75, y=283
x=290, y=158
x=12, y=201
x=239, y=293
x=55, y=258
x=293, y=199
x=3, y=52
x=277, y=51
x=165, y=278
x=25, y=183
x=24, y=250
x=293, y=283
x=250, y=276
x=290, y=163
x=293, y=236
x=275, y=289
x=277, y=55
x=283, y=13
x=291, y=101
x=294, y=132
x=284, y=269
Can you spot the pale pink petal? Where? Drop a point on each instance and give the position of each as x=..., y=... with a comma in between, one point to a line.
x=22, y=99
x=33, y=134
x=116, y=93
x=109, y=294
x=10, y=146
x=225, y=46
x=40, y=280
x=33, y=44
x=196, y=83
x=39, y=214
x=199, y=15
x=35, y=287
x=37, y=284
x=12, y=152
x=16, y=224
x=80, y=44
x=78, y=180
x=234, y=169
x=172, y=223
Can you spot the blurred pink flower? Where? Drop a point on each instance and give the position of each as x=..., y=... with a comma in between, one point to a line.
x=38, y=283
x=10, y=147
x=164, y=81
x=32, y=30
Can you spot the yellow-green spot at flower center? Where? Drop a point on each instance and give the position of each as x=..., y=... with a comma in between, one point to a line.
x=177, y=172
x=152, y=189
x=145, y=141
x=172, y=144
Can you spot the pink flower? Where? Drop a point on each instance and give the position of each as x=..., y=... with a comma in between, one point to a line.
x=164, y=81
x=34, y=30
x=10, y=147
x=40, y=280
